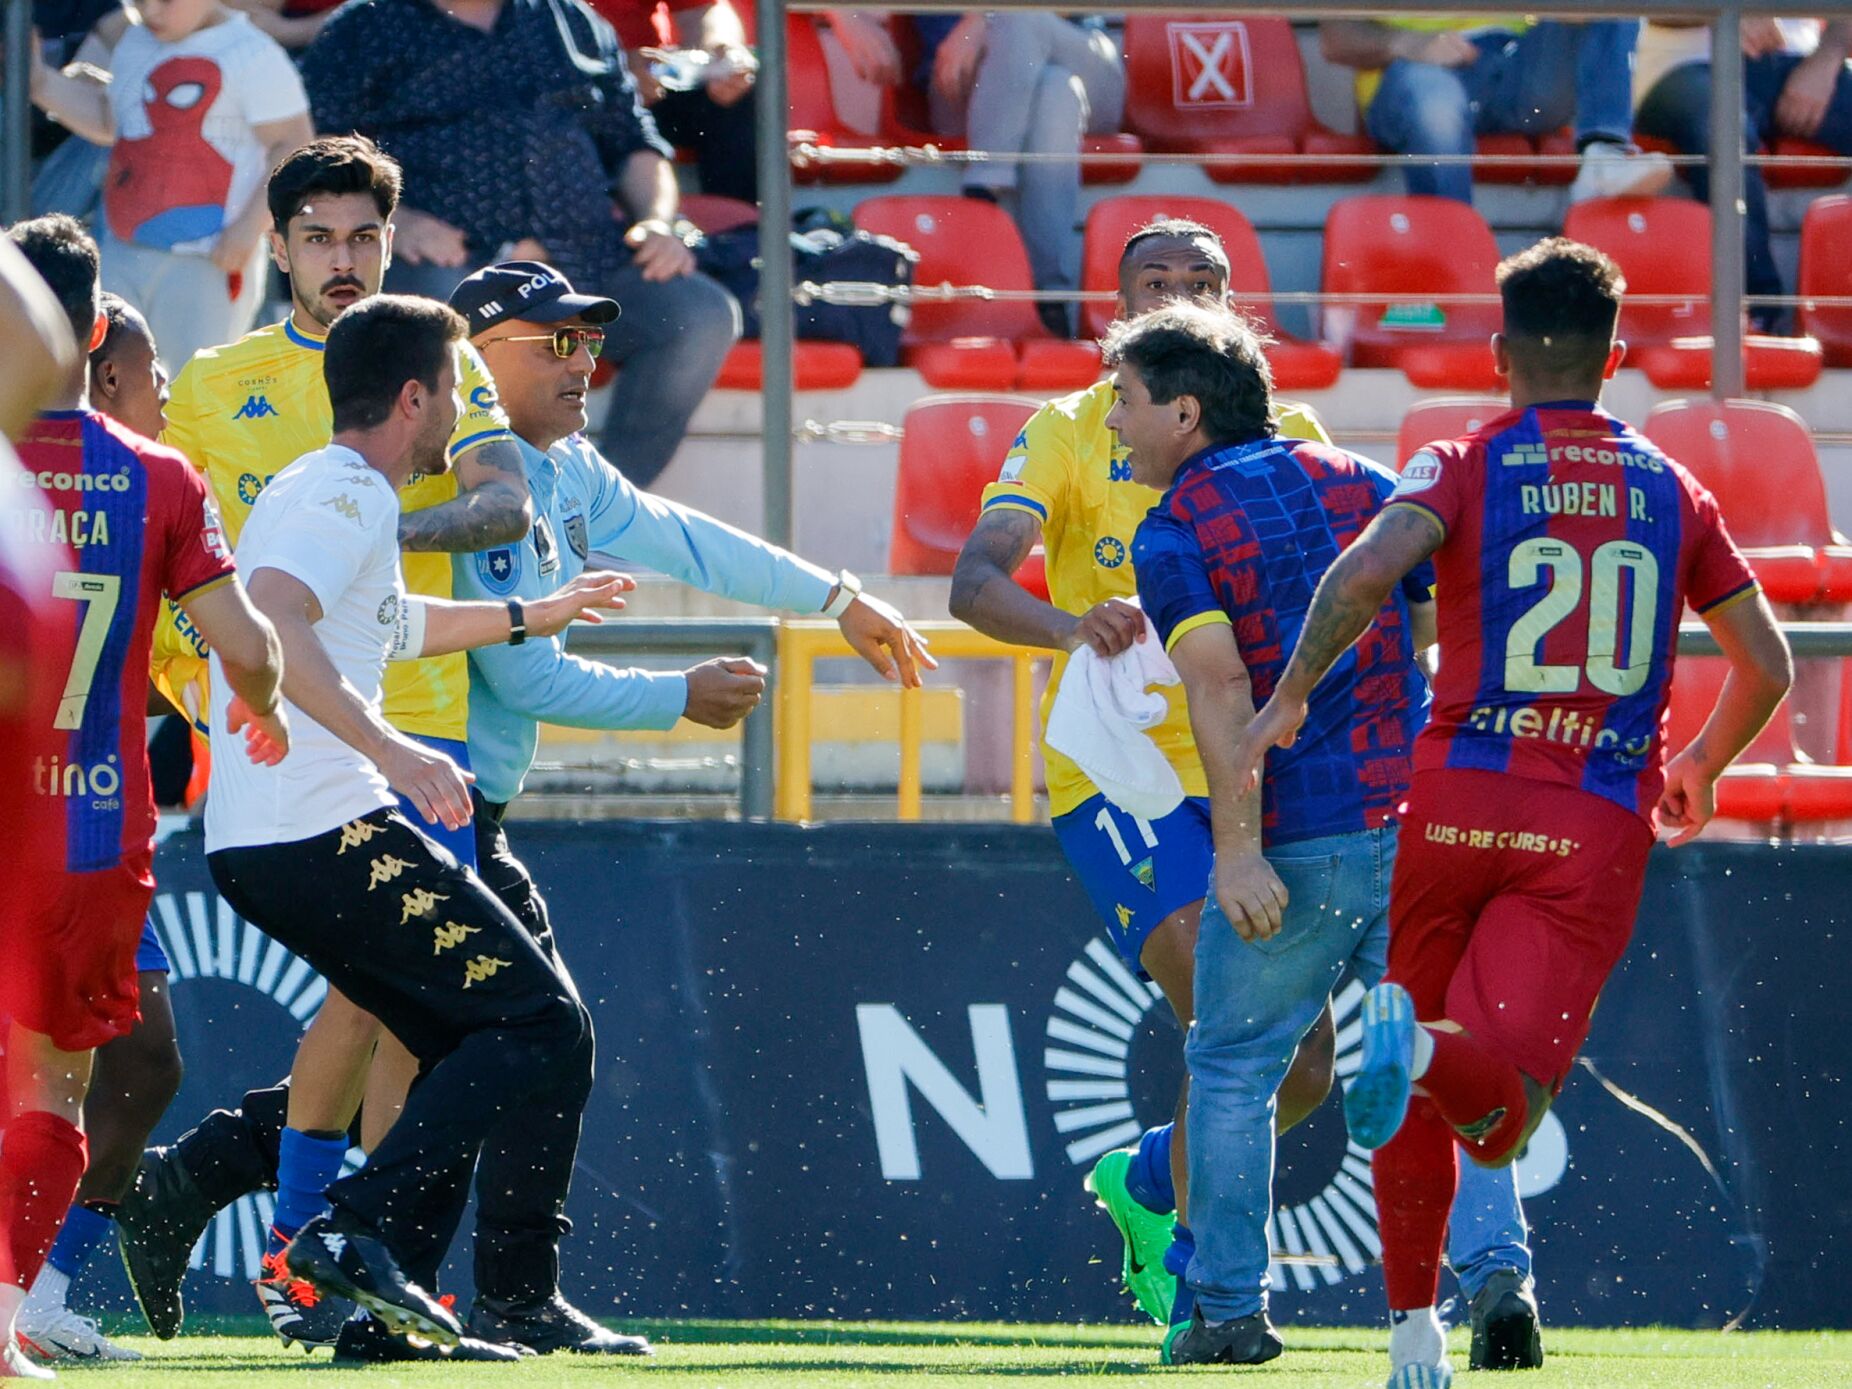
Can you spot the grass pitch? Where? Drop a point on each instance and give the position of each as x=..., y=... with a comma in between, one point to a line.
x=838, y=1355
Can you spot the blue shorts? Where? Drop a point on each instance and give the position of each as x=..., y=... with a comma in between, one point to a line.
x=460, y=842
x=1137, y=872
x=148, y=954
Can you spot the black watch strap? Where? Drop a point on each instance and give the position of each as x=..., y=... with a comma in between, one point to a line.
x=517, y=622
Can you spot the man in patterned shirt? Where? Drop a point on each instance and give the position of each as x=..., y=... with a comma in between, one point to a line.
x=1227, y=562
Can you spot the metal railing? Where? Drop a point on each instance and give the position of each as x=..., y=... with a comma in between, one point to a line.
x=756, y=637
x=802, y=643
x=775, y=772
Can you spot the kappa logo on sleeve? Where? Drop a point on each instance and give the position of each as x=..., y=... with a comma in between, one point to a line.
x=499, y=571
x=1422, y=472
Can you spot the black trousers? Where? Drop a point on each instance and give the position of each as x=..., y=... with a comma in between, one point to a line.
x=504, y=1044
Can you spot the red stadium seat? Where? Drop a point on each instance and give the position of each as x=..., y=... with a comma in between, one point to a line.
x=1556, y=143
x=1826, y=270
x=813, y=112
x=714, y=214
x=1771, y=781
x=1207, y=84
x=1758, y=460
x=1448, y=417
x=815, y=366
x=952, y=447
x=974, y=344
x=1413, y=245
x=1663, y=245
x=1806, y=176
x=1297, y=366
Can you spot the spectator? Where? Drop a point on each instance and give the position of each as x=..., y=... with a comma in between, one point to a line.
x=70, y=168
x=1429, y=86
x=1795, y=83
x=522, y=138
x=1031, y=83
x=199, y=105
x=714, y=117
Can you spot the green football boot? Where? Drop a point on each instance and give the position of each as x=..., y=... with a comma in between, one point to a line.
x=1147, y=1236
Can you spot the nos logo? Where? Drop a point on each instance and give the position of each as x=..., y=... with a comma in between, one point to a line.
x=240, y=1003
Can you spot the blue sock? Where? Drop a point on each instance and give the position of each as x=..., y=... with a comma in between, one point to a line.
x=84, y=1229
x=306, y=1166
x=1177, y=1260
x=1148, y=1178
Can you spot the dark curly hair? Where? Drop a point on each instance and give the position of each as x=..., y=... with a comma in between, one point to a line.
x=1213, y=354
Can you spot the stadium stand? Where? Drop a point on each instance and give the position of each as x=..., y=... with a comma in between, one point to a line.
x=813, y=113
x=1412, y=246
x=1297, y=366
x=975, y=344
x=1220, y=85
x=1826, y=269
x=948, y=453
x=1445, y=417
x=1663, y=247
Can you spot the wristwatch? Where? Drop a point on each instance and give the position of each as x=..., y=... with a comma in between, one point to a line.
x=848, y=589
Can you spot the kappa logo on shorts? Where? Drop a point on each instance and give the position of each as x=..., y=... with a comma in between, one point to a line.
x=419, y=902
x=355, y=833
x=384, y=869
x=1125, y=915
x=451, y=933
x=481, y=968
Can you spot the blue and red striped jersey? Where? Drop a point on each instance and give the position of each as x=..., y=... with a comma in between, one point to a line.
x=1242, y=537
x=1572, y=546
x=133, y=520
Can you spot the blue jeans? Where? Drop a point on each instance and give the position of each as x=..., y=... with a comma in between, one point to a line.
x=1532, y=83
x=1254, y=1001
x=1678, y=109
x=669, y=342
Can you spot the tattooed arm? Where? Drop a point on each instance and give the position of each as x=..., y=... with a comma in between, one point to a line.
x=492, y=506
x=1349, y=596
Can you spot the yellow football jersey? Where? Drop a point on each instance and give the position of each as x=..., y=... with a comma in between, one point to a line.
x=1069, y=471
x=246, y=411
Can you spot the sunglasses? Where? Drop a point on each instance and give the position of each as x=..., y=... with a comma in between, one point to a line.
x=566, y=341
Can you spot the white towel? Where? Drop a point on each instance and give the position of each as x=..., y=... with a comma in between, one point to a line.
x=1101, y=711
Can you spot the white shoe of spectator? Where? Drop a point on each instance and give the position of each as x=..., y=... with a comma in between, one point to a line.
x=1612, y=170
x=58, y=1330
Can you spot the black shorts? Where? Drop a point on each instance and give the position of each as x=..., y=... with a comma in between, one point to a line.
x=398, y=926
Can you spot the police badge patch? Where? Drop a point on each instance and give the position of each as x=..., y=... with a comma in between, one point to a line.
x=499, y=570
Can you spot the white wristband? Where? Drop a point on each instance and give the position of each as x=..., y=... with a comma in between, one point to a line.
x=408, y=631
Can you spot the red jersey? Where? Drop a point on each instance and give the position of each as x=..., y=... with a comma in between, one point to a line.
x=1572, y=547
x=128, y=520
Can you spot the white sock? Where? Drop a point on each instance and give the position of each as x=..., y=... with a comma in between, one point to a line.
x=1423, y=1054
x=10, y=1298
x=1416, y=1338
x=50, y=1288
